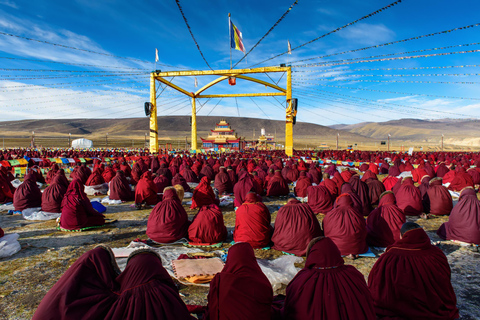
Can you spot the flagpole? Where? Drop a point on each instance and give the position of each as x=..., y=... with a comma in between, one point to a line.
x=230, y=38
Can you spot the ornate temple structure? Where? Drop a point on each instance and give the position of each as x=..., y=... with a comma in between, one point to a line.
x=223, y=137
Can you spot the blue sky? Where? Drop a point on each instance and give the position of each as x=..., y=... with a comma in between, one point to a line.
x=62, y=83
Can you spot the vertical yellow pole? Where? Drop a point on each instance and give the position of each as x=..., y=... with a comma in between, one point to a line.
x=289, y=116
x=153, y=116
x=194, y=125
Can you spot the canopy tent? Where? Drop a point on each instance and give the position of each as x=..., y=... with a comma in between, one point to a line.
x=82, y=143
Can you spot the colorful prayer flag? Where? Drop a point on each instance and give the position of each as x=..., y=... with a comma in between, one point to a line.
x=236, y=38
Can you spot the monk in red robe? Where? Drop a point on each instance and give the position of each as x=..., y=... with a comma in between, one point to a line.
x=464, y=221
x=252, y=223
x=439, y=199
x=222, y=182
x=409, y=198
x=50, y=174
x=315, y=291
x=203, y=195
x=303, y=182
x=277, y=186
x=108, y=174
x=119, y=188
x=168, y=221
x=384, y=223
x=6, y=189
x=319, y=199
x=241, y=290
x=94, y=288
x=179, y=179
x=52, y=196
x=27, y=195
x=161, y=181
x=95, y=178
x=411, y=280
x=207, y=226
x=462, y=180
x=244, y=185
x=330, y=185
x=295, y=226
x=146, y=191
x=77, y=211
x=346, y=227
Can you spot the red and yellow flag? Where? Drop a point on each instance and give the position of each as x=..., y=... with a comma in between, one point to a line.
x=236, y=38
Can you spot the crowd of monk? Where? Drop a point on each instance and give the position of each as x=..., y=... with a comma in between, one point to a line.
x=411, y=280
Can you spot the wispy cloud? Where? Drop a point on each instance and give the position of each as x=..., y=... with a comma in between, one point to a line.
x=9, y=3
x=367, y=34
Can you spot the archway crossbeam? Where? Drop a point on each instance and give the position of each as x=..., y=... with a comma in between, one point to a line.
x=223, y=75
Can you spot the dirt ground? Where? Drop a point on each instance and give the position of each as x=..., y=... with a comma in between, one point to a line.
x=47, y=253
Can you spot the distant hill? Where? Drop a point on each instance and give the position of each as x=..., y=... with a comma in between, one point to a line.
x=173, y=127
x=456, y=131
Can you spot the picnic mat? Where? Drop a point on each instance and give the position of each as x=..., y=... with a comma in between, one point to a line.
x=197, y=271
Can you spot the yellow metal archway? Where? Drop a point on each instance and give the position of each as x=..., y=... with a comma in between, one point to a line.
x=223, y=75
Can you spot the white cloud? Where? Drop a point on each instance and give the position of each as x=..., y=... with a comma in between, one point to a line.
x=367, y=34
x=9, y=3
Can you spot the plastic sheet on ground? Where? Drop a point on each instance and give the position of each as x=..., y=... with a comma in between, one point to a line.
x=38, y=214
x=98, y=189
x=280, y=271
x=405, y=174
x=226, y=201
x=108, y=201
x=167, y=253
x=303, y=200
x=16, y=183
x=9, y=245
x=192, y=185
x=6, y=207
x=188, y=195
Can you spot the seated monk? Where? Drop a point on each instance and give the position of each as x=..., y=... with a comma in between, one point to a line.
x=361, y=189
x=94, y=288
x=346, y=227
x=244, y=185
x=189, y=175
x=162, y=181
x=63, y=178
x=52, y=196
x=38, y=174
x=119, y=188
x=77, y=211
x=6, y=189
x=27, y=195
x=384, y=223
x=241, y=290
x=178, y=179
x=108, y=174
x=463, y=223
x=439, y=199
x=409, y=198
x=337, y=178
x=462, y=180
x=375, y=187
x=222, y=182
x=203, y=195
x=168, y=221
x=252, y=223
x=207, y=226
x=327, y=288
x=146, y=191
x=319, y=199
x=50, y=174
x=411, y=280
x=303, y=182
x=277, y=186
x=95, y=178
x=330, y=185
x=295, y=226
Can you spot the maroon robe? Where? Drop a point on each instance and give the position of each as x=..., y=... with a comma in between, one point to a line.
x=385, y=222
x=222, y=182
x=303, y=182
x=361, y=189
x=327, y=289
x=331, y=187
x=207, y=226
x=146, y=190
x=95, y=178
x=241, y=290
x=50, y=174
x=108, y=174
x=411, y=280
x=464, y=221
x=168, y=221
x=375, y=189
x=77, y=211
x=27, y=195
x=409, y=198
x=189, y=175
x=244, y=185
x=53, y=195
x=461, y=180
x=346, y=227
x=319, y=199
x=6, y=189
x=161, y=182
x=440, y=200
x=252, y=223
x=277, y=186
x=120, y=189
x=295, y=226
x=180, y=180
x=203, y=195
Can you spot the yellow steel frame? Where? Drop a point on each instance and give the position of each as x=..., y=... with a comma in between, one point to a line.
x=224, y=74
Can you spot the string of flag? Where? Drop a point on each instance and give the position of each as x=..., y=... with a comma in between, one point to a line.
x=388, y=69
x=333, y=31
x=390, y=75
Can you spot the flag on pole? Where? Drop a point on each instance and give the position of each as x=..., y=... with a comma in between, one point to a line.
x=156, y=55
x=196, y=83
x=236, y=38
x=289, y=47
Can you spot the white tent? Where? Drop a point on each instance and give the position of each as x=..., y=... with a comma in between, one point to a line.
x=82, y=143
